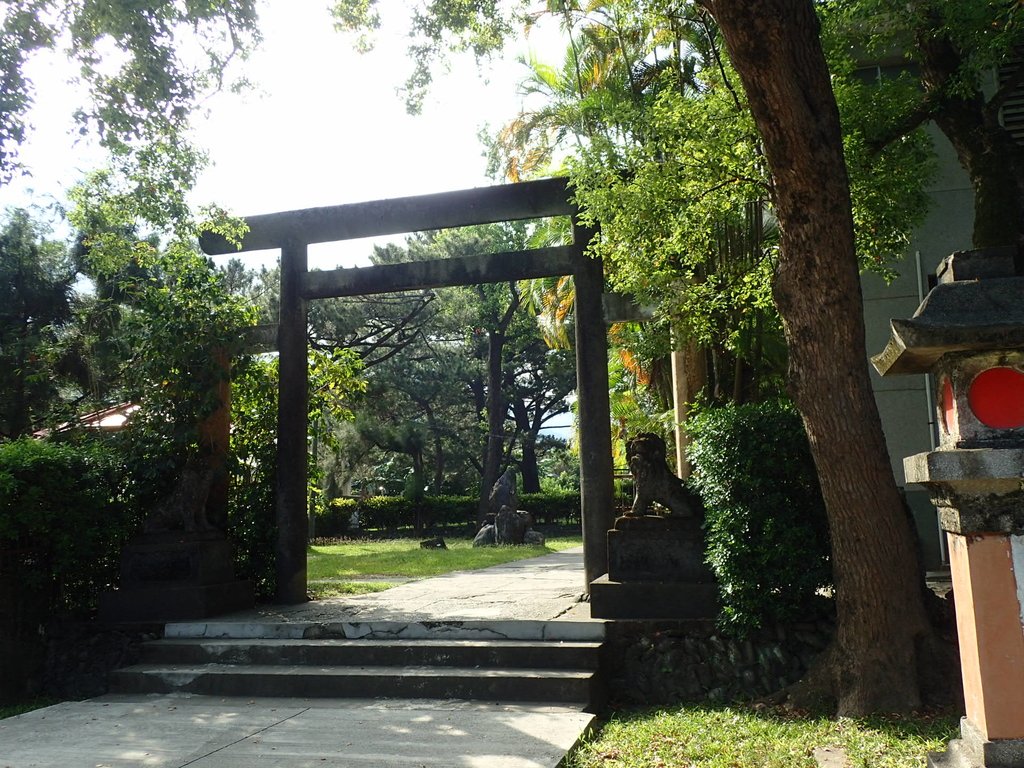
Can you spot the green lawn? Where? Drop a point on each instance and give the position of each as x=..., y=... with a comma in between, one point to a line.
x=347, y=567
x=739, y=737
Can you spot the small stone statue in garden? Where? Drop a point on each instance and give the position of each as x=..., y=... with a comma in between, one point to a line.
x=653, y=481
x=503, y=493
x=510, y=525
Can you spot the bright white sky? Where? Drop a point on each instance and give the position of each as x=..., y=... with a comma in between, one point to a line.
x=323, y=127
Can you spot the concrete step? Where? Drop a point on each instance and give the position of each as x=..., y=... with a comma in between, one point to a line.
x=487, y=654
x=263, y=680
x=469, y=629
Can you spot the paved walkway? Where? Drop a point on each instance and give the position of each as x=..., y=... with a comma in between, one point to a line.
x=174, y=731
x=537, y=598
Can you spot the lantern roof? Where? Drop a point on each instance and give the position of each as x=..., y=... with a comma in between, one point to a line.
x=972, y=315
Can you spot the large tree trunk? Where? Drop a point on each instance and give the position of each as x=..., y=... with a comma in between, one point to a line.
x=438, y=446
x=528, y=440
x=776, y=50
x=495, y=421
x=530, y=471
x=495, y=402
x=990, y=155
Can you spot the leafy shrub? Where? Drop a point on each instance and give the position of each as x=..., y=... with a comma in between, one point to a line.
x=252, y=464
x=552, y=507
x=767, y=533
x=393, y=512
x=335, y=518
x=64, y=516
x=389, y=513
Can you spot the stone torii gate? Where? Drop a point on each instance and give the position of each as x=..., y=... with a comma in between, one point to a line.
x=293, y=231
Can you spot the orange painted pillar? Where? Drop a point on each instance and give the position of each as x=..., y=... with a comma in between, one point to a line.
x=988, y=583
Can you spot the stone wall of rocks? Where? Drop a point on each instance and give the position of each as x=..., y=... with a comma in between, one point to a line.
x=691, y=661
x=21, y=651
x=80, y=656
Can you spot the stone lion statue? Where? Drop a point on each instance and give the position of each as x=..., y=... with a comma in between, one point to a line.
x=184, y=508
x=653, y=481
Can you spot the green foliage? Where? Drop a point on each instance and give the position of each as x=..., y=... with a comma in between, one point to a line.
x=391, y=513
x=982, y=33
x=139, y=81
x=252, y=463
x=64, y=515
x=26, y=706
x=438, y=26
x=552, y=506
x=183, y=330
x=35, y=305
x=423, y=426
x=334, y=383
x=767, y=535
x=943, y=73
x=559, y=466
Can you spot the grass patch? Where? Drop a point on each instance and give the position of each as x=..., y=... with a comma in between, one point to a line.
x=21, y=708
x=740, y=737
x=351, y=560
x=324, y=589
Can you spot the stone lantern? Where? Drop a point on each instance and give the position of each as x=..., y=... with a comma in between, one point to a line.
x=969, y=333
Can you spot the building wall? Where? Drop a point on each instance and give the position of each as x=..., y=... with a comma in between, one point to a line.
x=903, y=401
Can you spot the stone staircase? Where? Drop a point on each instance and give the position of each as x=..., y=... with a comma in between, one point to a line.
x=507, y=662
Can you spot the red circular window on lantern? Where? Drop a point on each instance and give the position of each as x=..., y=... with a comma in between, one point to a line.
x=996, y=397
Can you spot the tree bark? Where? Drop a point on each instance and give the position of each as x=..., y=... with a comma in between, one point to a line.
x=528, y=431
x=531, y=474
x=775, y=47
x=495, y=402
x=992, y=158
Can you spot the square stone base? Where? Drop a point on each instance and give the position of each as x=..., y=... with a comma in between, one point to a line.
x=177, y=558
x=175, y=576
x=652, y=599
x=649, y=548
x=972, y=750
x=176, y=603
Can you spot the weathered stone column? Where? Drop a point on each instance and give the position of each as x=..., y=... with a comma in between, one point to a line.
x=969, y=331
x=596, y=487
x=292, y=429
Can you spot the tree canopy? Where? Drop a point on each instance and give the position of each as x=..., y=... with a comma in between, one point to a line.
x=681, y=116
x=36, y=304
x=143, y=70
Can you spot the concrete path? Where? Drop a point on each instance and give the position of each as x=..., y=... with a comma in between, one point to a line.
x=544, y=588
x=174, y=731
x=530, y=599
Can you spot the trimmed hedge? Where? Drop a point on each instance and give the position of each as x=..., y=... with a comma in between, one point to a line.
x=63, y=520
x=549, y=508
x=766, y=527
x=389, y=513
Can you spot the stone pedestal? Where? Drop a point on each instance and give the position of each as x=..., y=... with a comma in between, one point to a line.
x=656, y=570
x=980, y=500
x=171, y=576
x=972, y=750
